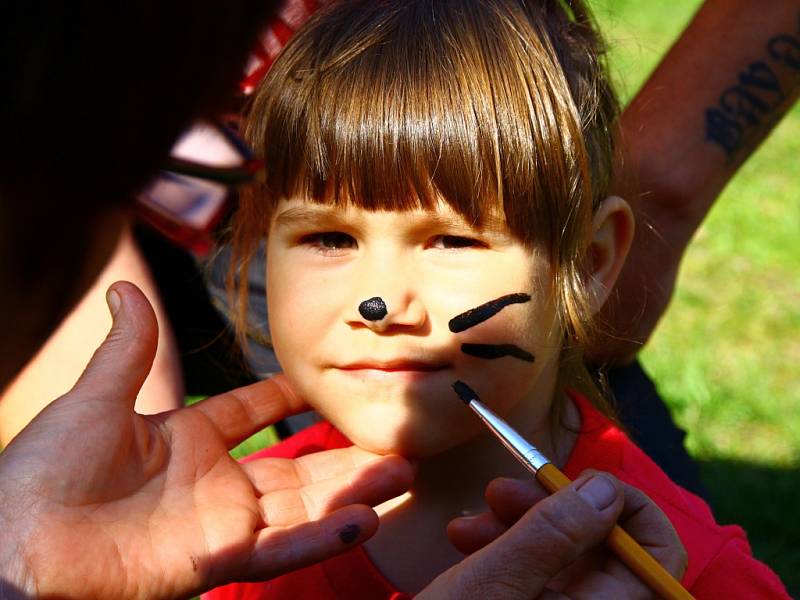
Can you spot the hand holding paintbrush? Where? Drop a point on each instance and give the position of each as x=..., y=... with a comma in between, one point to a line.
x=622, y=544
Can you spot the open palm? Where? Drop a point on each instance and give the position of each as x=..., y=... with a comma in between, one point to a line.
x=101, y=502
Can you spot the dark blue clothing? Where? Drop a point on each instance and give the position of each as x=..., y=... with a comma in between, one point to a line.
x=649, y=423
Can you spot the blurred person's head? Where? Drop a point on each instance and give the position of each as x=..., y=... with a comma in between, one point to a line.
x=94, y=96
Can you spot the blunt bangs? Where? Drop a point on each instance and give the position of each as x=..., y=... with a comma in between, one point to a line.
x=395, y=105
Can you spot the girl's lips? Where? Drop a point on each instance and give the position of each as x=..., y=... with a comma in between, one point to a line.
x=395, y=366
x=393, y=370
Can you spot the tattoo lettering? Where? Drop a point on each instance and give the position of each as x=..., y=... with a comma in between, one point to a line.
x=785, y=49
x=749, y=105
x=759, y=75
x=743, y=104
x=723, y=130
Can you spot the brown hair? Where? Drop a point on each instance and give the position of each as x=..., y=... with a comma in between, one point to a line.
x=489, y=105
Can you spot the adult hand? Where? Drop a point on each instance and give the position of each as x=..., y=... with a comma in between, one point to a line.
x=98, y=501
x=532, y=545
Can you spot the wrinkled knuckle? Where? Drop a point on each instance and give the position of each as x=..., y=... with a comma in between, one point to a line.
x=312, y=508
x=398, y=479
x=285, y=554
x=509, y=589
x=563, y=528
x=503, y=582
x=548, y=594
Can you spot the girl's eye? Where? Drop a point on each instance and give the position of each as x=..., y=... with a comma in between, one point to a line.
x=455, y=242
x=329, y=242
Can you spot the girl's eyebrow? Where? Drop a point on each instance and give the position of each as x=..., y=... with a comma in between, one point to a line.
x=491, y=223
x=305, y=214
x=308, y=214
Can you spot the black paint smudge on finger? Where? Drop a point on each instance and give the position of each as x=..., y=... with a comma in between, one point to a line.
x=492, y=351
x=349, y=533
x=481, y=313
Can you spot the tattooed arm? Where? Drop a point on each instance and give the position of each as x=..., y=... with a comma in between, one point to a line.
x=717, y=94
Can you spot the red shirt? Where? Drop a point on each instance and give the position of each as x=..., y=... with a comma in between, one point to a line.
x=721, y=564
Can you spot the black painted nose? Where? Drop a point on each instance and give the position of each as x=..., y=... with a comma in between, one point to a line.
x=373, y=309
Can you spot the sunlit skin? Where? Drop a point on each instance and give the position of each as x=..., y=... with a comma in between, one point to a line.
x=386, y=384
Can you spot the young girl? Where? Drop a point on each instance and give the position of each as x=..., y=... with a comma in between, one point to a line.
x=425, y=159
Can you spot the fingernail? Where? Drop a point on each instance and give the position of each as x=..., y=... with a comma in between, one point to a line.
x=114, y=301
x=466, y=517
x=598, y=491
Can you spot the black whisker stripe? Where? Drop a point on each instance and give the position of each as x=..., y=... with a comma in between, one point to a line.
x=480, y=313
x=492, y=351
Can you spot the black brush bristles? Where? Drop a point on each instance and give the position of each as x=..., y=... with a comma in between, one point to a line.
x=466, y=393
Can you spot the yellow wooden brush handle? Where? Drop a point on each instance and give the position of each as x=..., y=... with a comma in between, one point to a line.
x=624, y=546
x=552, y=478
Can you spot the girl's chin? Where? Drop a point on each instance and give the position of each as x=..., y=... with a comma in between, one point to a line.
x=416, y=443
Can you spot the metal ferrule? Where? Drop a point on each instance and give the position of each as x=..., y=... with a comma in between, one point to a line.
x=522, y=449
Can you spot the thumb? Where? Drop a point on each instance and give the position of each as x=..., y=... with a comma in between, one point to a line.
x=120, y=365
x=547, y=539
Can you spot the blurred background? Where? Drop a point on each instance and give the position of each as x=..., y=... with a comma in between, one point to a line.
x=726, y=356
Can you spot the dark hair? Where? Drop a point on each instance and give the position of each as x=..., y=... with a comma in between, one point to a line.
x=94, y=95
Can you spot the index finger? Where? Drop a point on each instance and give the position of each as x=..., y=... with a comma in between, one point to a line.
x=241, y=412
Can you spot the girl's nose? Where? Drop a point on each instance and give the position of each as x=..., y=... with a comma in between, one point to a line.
x=382, y=314
x=373, y=309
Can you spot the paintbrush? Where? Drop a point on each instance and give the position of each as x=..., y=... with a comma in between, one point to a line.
x=623, y=545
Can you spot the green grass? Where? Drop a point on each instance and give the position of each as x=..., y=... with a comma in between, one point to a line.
x=726, y=356
x=262, y=439
x=257, y=441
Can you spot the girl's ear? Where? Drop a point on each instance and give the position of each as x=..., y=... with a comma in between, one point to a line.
x=612, y=233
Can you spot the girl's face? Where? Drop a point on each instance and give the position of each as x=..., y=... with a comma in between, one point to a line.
x=383, y=377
